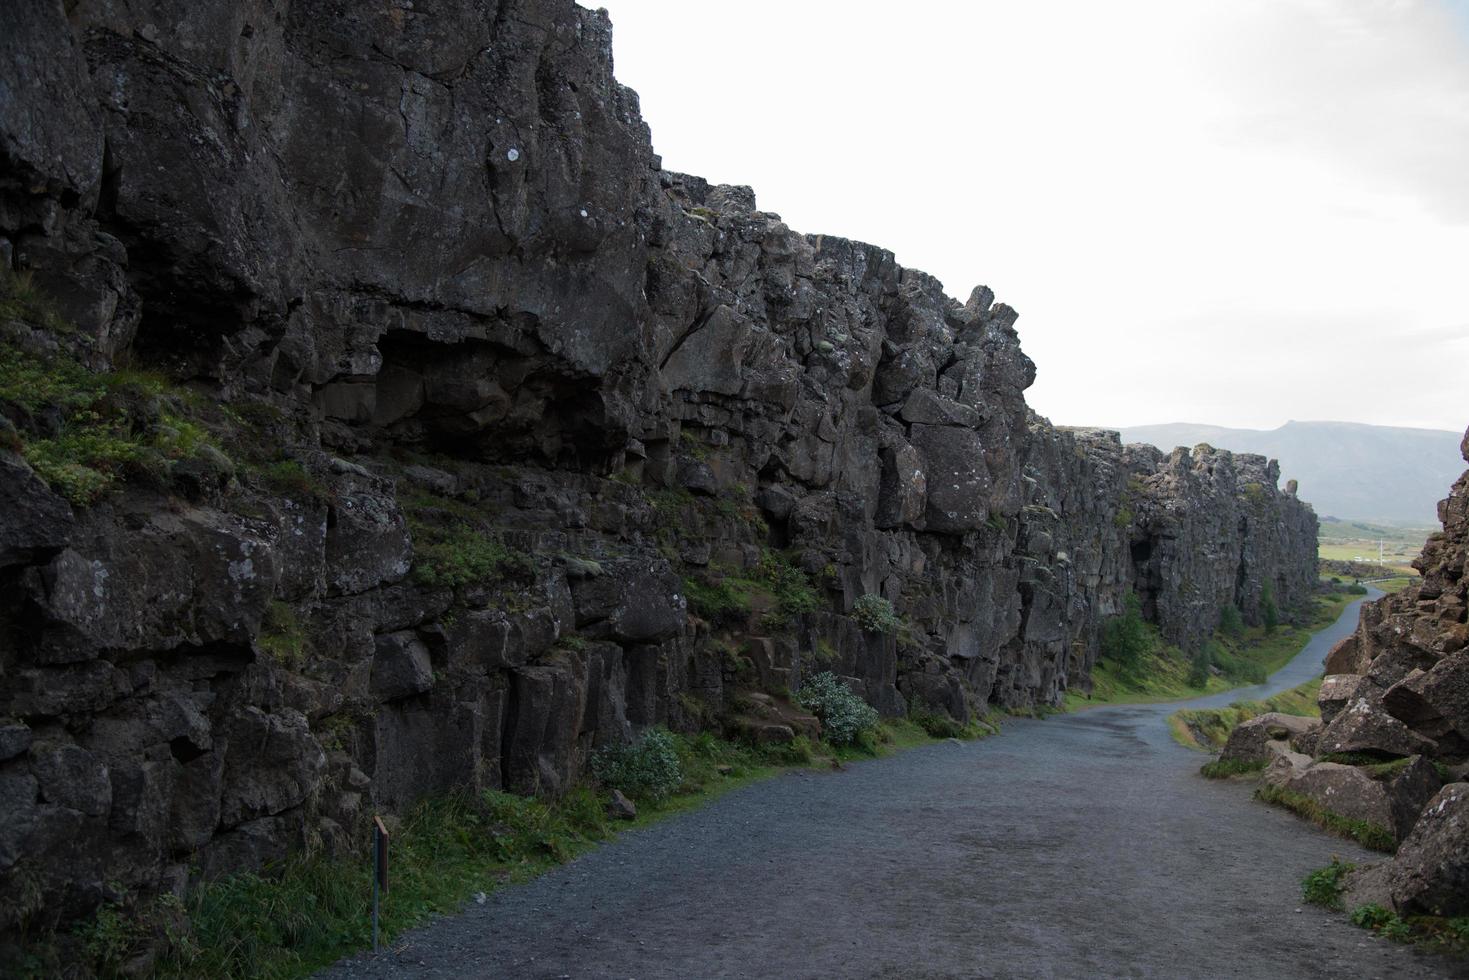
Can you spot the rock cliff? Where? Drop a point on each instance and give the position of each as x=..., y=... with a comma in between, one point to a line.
x=395, y=423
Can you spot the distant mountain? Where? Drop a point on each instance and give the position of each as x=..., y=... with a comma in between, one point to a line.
x=1345, y=469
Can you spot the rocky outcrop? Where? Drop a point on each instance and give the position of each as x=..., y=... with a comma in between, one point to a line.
x=485, y=442
x=1396, y=698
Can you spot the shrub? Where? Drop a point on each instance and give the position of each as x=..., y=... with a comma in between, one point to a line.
x=1324, y=885
x=845, y=718
x=1356, y=588
x=874, y=614
x=1268, y=611
x=1125, y=637
x=647, y=768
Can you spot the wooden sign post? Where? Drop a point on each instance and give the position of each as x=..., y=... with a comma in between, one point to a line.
x=379, y=870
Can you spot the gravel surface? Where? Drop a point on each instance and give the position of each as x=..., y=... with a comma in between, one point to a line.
x=1084, y=845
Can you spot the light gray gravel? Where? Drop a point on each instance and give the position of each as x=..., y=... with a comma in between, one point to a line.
x=1084, y=845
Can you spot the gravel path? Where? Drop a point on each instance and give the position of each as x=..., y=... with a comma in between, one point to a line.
x=1084, y=845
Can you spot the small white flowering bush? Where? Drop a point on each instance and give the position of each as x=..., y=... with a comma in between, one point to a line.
x=844, y=716
x=647, y=768
x=875, y=615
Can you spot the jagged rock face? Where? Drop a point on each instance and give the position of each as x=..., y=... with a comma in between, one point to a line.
x=1399, y=687
x=429, y=258
x=1400, y=683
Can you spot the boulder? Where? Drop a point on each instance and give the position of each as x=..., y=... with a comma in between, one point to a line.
x=1436, y=701
x=1366, y=727
x=1337, y=691
x=367, y=541
x=958, y=483
x=70, y=776
x=1430, y=874
x=619, y=807
x=401, y=666
x=273, y=764
x=1347, y=657
x=1389, y=796
x=1265, y=736
x=34, y=522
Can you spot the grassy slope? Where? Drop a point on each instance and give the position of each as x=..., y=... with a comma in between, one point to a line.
x=1165, y=672
x=1207, y=729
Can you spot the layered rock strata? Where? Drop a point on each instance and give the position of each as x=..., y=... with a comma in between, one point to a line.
x=513, y=443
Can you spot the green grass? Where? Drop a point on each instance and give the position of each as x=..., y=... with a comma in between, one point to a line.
x=1224, y=768
x=1367, y=834
x=1207, y=729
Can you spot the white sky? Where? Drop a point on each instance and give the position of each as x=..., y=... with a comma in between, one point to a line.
x=1236, y=212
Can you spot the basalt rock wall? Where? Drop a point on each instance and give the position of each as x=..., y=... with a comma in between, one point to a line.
x=513, y=443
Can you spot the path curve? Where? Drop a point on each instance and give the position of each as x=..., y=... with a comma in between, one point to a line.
x=1083, y=845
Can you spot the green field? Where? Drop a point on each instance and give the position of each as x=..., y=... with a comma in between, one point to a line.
x=1361, y=541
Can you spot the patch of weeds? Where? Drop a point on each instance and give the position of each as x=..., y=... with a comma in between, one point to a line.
x=313, y=910
x=120, y=933
x=845, y=718
x=111, y=424
x=1324, y=885
x=792, y=590
x=22, y=299
x=1382, y=921
x=730, y=598
x=461, y=555
x=290, y=478
x=874, y=614
x=718, y=602
x=1367, y=834
x=645, y=769
x=1224, y=768
x=281, y=635
x=938, y=725
x=335, y=731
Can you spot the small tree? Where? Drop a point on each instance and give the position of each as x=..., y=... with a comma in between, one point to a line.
x=1125, y=637
x=1268, y=612
x=1198, y=669
x=1231, y=623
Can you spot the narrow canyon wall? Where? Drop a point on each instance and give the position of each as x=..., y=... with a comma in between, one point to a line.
x=494, y=411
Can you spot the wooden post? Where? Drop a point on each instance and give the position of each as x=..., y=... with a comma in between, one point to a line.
x=379, y=871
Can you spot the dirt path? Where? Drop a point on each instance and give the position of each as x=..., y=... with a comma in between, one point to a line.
x=1080, y=846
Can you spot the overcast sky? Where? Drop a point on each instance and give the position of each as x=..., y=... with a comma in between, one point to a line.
x=1236, y=212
